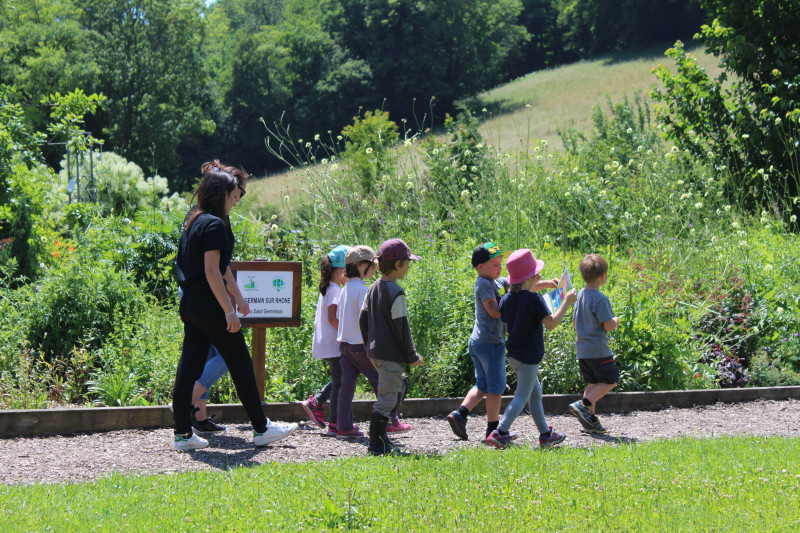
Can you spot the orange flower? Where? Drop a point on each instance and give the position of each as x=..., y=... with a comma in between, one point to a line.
x=71, y=249
x=56, y=254
x=58, y=243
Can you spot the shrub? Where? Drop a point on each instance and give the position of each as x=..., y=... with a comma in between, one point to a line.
x=77, y=304
x=368, y=143
x=120, y=186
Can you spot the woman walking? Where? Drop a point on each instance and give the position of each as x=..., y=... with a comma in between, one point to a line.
x=208, y=306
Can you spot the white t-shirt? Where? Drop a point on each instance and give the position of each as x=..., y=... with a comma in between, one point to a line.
x=350, y=302
x=325, y=345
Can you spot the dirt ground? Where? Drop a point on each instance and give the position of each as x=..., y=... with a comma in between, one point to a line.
x=83, y=457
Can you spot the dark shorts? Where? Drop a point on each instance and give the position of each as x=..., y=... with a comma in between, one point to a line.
x=599, y=370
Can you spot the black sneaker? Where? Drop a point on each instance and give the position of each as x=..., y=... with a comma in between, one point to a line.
x=458, y=424
x=206, y=426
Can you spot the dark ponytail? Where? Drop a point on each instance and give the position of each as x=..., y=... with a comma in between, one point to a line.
x=218, y=180
x=325, y=274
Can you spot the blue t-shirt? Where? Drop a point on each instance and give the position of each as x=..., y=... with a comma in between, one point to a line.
x=488, y=330
x=592, y=309
x=523, y=312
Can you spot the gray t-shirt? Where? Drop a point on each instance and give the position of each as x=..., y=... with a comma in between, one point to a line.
x=488, y=330
x=592, y=309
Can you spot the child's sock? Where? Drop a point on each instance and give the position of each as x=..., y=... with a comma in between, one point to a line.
x=491, y=426
x=463, y=411
x=587, y=402
x=549, y=431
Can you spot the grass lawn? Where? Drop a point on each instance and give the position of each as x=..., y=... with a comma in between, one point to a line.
x=724, y=484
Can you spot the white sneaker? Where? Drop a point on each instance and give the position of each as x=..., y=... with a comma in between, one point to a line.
x=194, y=442
x=274, y=432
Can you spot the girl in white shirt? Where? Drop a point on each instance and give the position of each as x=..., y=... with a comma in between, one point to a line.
x=324, y=344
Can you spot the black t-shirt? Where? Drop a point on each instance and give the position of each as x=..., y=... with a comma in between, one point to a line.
x=523, y=312
x=207, y=232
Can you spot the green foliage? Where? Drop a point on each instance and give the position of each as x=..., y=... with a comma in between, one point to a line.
x=67, y=118
x=115, y=389
x=746, y=120
x=78, y=304
x=591, y=27
x=367, y=148
x=559, y=372
x=150, y=70
x=416, y=50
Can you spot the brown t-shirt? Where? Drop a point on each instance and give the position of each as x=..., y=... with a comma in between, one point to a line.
x=384, y=324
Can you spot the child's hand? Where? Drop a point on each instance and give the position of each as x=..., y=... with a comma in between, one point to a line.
x=545, y=284
x=572, y=297
x=417, y=362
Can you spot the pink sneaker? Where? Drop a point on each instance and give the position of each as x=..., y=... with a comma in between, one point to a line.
x=398, y=427
x=333, y=430
x=349, y=434
x=314, y=411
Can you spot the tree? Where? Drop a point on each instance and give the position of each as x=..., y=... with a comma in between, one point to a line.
x=748, y=126
x=592, y=27
x=44, y=49
x=150, y=68
x=544, y=47
x=418, y=49
x=287, y=70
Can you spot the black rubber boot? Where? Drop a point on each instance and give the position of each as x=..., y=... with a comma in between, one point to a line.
x=379, y=443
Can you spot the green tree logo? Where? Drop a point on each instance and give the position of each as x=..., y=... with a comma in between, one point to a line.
x=278, y=284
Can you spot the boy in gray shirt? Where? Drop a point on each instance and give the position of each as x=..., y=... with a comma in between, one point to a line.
x=593, y=318
x=487, y=341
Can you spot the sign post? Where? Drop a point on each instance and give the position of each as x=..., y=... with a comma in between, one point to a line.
x=273, y=291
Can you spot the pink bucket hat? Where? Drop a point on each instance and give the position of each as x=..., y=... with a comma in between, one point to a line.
x=521, y=265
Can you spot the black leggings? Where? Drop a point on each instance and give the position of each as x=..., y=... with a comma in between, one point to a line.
x=204, y=324
x=331, y=389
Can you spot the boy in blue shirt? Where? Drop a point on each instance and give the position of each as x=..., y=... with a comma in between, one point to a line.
x=487, y=341
x=593, y=319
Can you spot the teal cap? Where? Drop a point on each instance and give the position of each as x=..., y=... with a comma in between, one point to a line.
x=337, y=256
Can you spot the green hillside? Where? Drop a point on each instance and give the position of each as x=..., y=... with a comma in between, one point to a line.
x=559, y=97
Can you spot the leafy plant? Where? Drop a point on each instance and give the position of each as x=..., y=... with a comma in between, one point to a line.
x=367, y=148
x=116, y=388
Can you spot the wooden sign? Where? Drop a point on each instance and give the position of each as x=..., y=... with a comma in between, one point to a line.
x=273, y=291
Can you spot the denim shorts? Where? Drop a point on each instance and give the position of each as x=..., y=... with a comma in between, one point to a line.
x=490, y=366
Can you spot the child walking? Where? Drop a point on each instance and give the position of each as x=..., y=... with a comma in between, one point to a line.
x=524, y=312
x=593, y=319
x=486, y=341
x=360, y=262
x=324, y=344
x=384, y=326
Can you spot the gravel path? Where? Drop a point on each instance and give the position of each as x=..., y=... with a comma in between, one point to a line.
x=84, y=457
